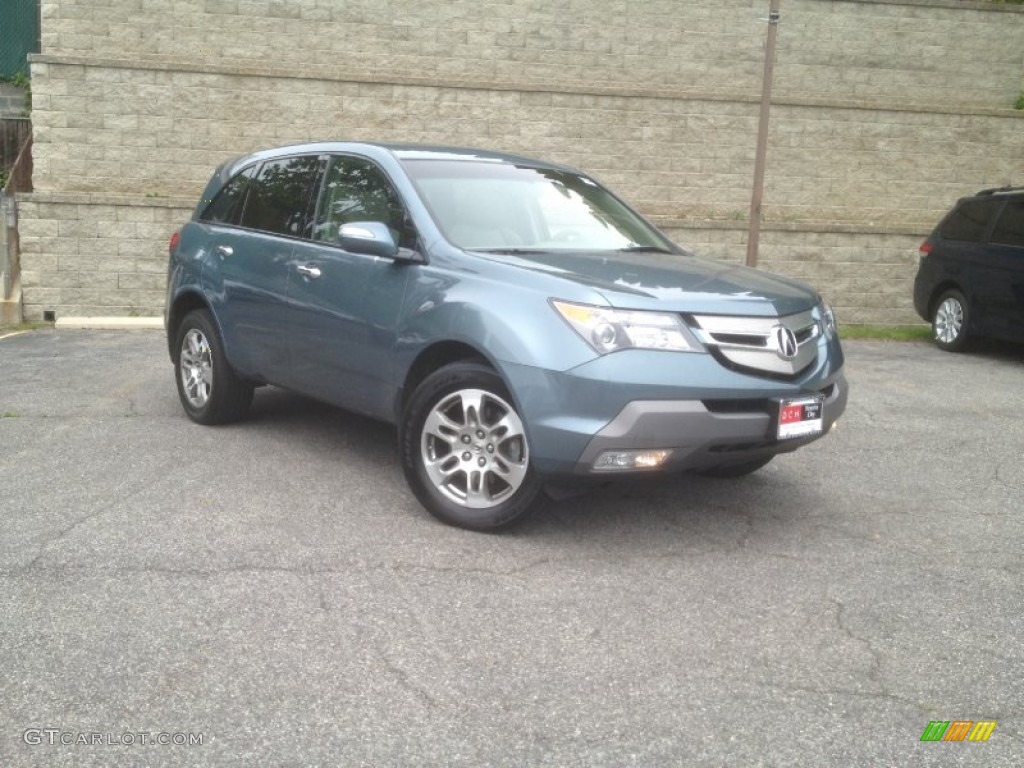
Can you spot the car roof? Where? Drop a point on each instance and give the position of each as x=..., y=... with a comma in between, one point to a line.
x=1007, y=190
x=398, y=150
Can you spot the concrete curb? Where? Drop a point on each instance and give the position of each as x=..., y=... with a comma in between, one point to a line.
x=109, y=323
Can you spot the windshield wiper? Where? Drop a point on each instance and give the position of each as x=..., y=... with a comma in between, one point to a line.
x=510, y=251
x=644, y=249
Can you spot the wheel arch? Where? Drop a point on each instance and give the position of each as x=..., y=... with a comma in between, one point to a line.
x=183, y=303
x=432, y=358
x=938, y=290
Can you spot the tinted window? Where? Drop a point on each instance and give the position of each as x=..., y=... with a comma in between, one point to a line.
x=1010, y=226
x=279, y=197
x=226, y=206
x=969, y=221
x=357, y=190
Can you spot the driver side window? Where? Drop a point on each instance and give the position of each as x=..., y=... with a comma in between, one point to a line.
x=357, y=190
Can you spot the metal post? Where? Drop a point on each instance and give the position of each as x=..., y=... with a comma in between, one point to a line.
x=762, y=135
x=5, y=225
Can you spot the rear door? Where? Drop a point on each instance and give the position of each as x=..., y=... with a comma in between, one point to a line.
x=1006, y=264
x=250, y=265
x=345, y=306
x=964, y=254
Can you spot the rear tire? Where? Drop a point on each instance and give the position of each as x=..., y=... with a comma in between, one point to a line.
x=951, y=321
x=210, y=391
x=464, y=449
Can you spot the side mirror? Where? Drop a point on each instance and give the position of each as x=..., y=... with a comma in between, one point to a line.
x=368, y=237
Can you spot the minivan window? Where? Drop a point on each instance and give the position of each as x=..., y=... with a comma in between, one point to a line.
x=1009, y=228
x=969, y=221
x=226, y=206
x=279, y=197
x=357, y=190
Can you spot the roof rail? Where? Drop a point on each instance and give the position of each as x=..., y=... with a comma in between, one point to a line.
x=997, y=190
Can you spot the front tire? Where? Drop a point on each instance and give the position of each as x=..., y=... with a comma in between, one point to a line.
x=210, y=391
x=465, y=451
x=950, y=321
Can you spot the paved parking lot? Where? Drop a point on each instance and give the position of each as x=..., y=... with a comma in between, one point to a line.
x=274, y=588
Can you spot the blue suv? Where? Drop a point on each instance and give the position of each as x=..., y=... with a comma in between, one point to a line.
x=518, y=322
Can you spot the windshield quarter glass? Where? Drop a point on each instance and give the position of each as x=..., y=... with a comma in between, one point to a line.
x=497, y=206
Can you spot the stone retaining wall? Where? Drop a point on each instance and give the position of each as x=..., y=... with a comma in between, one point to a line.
x=884, y=112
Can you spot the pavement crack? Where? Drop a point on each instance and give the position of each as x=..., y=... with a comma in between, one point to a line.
x=63, y=534
x=407, y=683
x=874, y=675
x=321, y=595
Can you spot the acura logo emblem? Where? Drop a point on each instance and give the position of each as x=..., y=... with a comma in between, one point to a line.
x=785, y=342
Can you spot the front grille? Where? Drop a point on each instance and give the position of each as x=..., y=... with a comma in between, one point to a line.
x=757, y=344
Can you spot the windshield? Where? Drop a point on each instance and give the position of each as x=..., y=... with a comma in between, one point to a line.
x=497, y=206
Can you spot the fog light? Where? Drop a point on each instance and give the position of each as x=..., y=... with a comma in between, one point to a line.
x=626, y=460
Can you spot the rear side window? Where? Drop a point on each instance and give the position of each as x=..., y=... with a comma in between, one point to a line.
x=1009, y=228
x=227, y=205
x=969, y=221
x=278, y=199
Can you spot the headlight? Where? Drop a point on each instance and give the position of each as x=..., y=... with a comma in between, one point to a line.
x=828, y=320
x=609, y=330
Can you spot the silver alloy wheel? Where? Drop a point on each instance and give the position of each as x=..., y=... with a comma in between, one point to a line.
x=196, y=368
x=949, y=321
x=474, y=448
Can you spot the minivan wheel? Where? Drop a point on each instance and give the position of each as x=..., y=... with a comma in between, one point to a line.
x=465, y=452
x=210, y=391
x=950, y=321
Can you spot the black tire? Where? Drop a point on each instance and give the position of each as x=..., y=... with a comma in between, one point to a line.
x=475, y=446
x=219, y=395
x=951, y=321
x=727, y=471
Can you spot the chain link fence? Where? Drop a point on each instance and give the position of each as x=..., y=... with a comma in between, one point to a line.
x=19, y=35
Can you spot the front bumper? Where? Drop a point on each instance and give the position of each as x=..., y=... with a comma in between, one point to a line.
x=704, y=433
x=647, y=400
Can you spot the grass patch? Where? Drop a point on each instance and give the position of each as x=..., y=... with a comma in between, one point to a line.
x=9, y=415
x=886, y=332
x=8, y=328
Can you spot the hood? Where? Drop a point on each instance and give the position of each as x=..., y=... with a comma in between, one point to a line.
x=672, y=282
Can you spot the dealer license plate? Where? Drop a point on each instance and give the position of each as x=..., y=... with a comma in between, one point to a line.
x=800, y=417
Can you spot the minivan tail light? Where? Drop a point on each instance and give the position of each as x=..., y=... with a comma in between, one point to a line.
x=926, y=248
x=175, y=239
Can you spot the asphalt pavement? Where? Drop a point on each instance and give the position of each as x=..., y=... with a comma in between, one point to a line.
x=272, y=589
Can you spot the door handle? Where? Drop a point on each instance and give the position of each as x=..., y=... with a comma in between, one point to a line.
x=308, y=271
x=225, y=250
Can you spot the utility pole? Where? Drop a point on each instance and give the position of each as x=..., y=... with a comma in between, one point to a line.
x=762, y=135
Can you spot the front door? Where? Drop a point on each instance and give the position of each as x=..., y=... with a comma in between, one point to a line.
x=344, y=305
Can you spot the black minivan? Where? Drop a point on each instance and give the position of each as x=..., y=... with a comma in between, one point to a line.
x=970, y=280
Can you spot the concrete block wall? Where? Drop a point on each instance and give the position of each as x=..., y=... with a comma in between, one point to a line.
x=95, y=255
x=885, y=111
x=907, y=51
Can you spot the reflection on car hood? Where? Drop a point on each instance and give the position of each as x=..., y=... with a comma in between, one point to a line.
x=675, y=282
